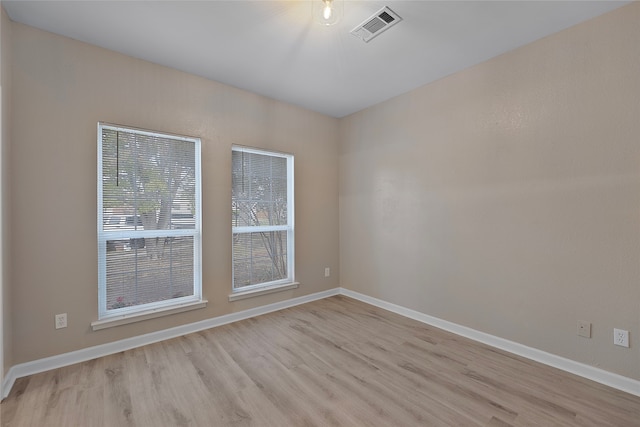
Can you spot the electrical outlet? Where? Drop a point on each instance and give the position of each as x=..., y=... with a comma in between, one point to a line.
x=621, y=337
x=584, y=329
x=61, y=320
x=327, y=272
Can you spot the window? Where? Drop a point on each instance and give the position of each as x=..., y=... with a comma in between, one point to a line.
x=148, y=221
x=262, y=218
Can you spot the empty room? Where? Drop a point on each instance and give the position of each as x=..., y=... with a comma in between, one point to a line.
x=320, y=213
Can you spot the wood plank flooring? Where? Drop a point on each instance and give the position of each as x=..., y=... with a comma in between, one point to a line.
x=333, y=362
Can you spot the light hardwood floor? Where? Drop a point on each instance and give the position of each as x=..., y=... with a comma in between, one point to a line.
x=333, y=362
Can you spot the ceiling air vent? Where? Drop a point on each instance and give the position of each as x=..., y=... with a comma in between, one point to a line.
x=381, y=21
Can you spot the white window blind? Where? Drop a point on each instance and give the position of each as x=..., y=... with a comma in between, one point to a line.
x=148, y=220
x=262, y=215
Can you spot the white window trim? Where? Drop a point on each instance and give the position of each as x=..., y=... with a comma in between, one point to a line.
x=263, y=290
x=119, y=316
x=124, y=319
x=276, y=285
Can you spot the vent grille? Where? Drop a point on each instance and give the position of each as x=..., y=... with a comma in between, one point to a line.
x=373, y=26
x=386, y=17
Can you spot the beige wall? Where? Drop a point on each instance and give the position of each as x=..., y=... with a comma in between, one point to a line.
x=61, y=89
x=506, y=197
x=5, y=295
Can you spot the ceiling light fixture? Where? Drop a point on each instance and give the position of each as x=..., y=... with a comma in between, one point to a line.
x=327, y=12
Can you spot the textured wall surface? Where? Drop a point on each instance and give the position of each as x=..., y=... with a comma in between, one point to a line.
x=506, y=197
x=62, y=88
x=5, y=289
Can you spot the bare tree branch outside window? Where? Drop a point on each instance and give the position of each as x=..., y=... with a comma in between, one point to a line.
x=260, y=202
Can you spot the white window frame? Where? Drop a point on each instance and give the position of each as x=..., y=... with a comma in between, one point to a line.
x=289, y=227
x=153, y=308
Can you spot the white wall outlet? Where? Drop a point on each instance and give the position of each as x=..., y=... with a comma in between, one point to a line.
x=61, y=320
x=584, y=329
x=327, y=272
x=621, y=337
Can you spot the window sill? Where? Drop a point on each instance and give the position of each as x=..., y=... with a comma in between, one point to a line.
x=262, y=291
x=145, y=315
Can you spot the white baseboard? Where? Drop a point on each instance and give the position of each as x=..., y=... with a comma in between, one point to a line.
x=610, y=379
x=66, y=359
x=601, y=376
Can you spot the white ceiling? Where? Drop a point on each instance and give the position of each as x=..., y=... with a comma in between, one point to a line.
x=275, y=49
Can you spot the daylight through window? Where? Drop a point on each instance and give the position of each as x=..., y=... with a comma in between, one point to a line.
x=262, y=218
x=148, y=220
